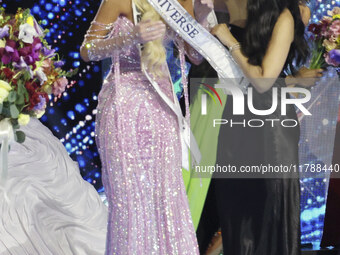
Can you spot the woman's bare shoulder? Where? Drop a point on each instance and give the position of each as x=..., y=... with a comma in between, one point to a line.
x=285, y=25
x=110, y=9
x=285, y=20
x=286, y=17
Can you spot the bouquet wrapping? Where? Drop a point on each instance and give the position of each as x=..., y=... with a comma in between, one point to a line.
x=326, y=38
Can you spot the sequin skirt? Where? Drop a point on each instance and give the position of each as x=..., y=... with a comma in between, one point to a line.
x=138, y=140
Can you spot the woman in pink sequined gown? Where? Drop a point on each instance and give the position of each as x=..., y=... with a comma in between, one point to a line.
x=138, y=136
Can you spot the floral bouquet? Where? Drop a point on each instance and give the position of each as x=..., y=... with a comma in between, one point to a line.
x=30, y=71
x=326, y=36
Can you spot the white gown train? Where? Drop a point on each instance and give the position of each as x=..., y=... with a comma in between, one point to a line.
x=51, y=209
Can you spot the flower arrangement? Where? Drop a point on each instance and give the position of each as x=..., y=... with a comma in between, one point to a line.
x=326, y=36
x=30, y=70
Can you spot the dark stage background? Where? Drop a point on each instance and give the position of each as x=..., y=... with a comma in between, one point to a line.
x=72, y=118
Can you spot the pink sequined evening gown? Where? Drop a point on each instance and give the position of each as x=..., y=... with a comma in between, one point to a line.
x=138, y=139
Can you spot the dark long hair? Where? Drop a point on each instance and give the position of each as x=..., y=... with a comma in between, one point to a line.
x=262, y=16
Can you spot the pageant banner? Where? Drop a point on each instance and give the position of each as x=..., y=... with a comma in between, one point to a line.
x=200, y=39
x=188, y=141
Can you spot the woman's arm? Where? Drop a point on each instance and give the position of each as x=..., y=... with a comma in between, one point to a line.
x=305, y=77
x=305, y=14
x=275, y=57
x=191, y=53
x=220, y=6
x=97, y=45
x=108, y=12
x=200, y=11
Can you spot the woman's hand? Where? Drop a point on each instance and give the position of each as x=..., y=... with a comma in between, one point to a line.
x=147, y=31
x=224, y=35
x=202, y=9
x=305, y=77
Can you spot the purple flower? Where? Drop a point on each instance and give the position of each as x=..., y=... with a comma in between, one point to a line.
x=21, y=65
x=48, y=52
x=26, y=53
x=4, y=31
x=29, y=60
x=59, y=63
x=9, y=53
x=36, y=44
x=333, y=57
x=41, y=105
x=31, y=53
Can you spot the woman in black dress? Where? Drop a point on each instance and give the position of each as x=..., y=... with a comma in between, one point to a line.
x=261, y=216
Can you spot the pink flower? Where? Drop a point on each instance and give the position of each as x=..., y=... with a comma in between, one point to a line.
x=335, y=11
x=325, y=22
x=329, y=45
x=47, y=66
x=335, y=28
x=59, y=86
x=333, y=38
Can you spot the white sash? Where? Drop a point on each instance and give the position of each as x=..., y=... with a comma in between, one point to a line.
x=200, y=39
x=188, y=140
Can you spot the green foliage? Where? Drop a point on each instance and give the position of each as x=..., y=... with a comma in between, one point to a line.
x=20, y=136
x=15, y=124
x=18, y=99
x=70, y=73
x=14, y=112
x=318, y=52
x=12, y=96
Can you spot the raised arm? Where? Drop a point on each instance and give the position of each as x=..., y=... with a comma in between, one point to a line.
x=220, y=6
x=100, y=27
x=200, y=10
x=99, y=44
x=275, y=57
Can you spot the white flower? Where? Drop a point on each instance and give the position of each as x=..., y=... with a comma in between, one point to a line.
x=2, y=43
x=3, y=95
x=5, y=85
x=22, y=65
x=39, y=114
x=26, y=33
x=23, y=119
x=38, y=28
x=4, y=90
x=41, y=75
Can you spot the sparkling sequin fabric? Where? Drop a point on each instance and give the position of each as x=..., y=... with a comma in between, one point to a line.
x=138, y=139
